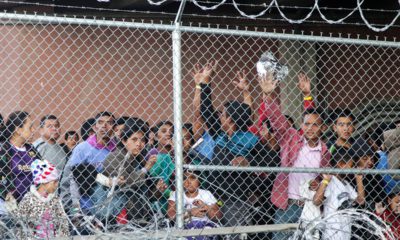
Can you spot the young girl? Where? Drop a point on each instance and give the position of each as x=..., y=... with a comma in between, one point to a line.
x=337, y=193
x=40, y=209
x=201, y=206
x=17, y=154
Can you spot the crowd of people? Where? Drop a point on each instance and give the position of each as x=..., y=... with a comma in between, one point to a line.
x=115, y=166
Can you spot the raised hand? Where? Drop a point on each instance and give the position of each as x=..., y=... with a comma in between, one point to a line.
x=242, y=83
x=203, y=75
x=150, y=163
x=268, y=83
x=304, y=84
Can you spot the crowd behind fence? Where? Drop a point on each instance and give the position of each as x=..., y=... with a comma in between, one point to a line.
x=88, y=143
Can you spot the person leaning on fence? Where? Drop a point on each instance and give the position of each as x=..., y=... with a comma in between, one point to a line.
x=71, y=139
x=297, y=150
x=163, y=169
x=124, y=176
x=366, y=158
x=201, y=208
x=234, y=146
x=92, y=152
x=47, y=146
x=336, y=193
x=17, y=154
x=40, y=209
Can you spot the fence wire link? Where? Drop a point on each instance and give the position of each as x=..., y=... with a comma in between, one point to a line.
x=94, y=99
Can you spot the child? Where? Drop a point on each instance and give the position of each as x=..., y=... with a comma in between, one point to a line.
x=200, y=205
x=339, y=194
x=391, y=215
x=40, y=207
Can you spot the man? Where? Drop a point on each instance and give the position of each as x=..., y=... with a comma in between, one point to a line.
x=91, y=152
x=343, y=126
x=47, y=146
x=297, y=150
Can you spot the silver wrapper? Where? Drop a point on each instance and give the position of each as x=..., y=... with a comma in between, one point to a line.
x=268, y=63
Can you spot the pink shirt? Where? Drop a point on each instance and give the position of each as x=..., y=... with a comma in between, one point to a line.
x=307, y=158
x=291, y=142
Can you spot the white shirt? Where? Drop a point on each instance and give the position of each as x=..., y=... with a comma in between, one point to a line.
x=203, y=195
x=337, y=193
x=307, y=158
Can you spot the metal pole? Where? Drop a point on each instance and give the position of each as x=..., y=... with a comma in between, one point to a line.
x=292, y=170
x=177, y=74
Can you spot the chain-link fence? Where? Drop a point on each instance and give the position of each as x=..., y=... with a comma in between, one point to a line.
x=95, y=98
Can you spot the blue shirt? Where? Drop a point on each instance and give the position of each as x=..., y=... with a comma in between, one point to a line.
x=85, y=153
x=206, y=148
x=389, y=182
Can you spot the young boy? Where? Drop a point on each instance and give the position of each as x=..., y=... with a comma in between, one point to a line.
x=40, y=207
x=200, y=205
x=336, y=192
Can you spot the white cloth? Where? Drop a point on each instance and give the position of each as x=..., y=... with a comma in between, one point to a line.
x=203, y=195
x=337, y=193
x=310, y=210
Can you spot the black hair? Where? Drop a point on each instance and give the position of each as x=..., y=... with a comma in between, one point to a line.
x=15, y=120
x=104, y=114
x=341, y=155
x=85, y=177
x=346, y=113
x=189, y=128
x=121, y=120
x=47, y=117
x=157, y=127
x=240, y=113
x=87, y=127
x=133, y=125
x=289, y=118
x=316, y=111
x=374, y=133
x=188, y=171
x=70, y=133
x=267, y=122
x=1, y=120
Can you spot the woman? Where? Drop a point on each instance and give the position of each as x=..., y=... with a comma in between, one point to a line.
x=124, y=169
x=17, y=154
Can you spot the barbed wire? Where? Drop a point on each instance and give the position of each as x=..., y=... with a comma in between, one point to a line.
x=378, y=27
x=299, y=21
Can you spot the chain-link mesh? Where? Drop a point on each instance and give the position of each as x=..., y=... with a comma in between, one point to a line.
x=340, y=96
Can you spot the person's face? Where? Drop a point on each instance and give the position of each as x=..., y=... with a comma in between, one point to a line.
x=164, y=136
x=52, y=186
x=104, y=127
x=51, y=129
x=394, y=204
x=312, y=126
x=344, y=128
x=135, y=143
x=25, y=132
x=71, y=141
x=187, y=140
x=346, y=165
x=366, y=162
x=191, y=183
x=118, y=130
